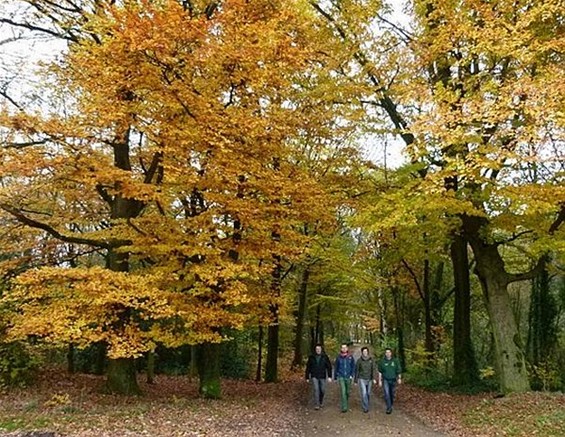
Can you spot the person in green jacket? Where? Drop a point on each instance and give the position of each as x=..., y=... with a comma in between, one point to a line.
x=365, y=371
x=390, y=373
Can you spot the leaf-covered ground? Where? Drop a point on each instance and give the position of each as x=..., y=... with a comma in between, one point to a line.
x=73, y=406
x=483, y=415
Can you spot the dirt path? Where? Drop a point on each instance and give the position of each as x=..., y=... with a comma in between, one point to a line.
x=330, y=421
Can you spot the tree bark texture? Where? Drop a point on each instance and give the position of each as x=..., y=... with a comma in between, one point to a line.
x=465, y=372
x=208, y=362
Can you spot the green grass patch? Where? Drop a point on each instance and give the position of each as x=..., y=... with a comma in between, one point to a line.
x=18, y=423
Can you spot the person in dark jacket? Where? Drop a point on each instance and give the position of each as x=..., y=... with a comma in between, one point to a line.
x=389, y=375
x=365, y=375
x=343, y=374
x=318, y=370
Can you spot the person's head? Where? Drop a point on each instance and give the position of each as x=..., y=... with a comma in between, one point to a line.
x=365, y=351
x=388, y=353
x=344, y=348
x=318, y=349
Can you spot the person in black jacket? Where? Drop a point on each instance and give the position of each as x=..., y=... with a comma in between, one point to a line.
x=318, y=370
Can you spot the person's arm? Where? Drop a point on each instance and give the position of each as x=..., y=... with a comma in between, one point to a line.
x=336, y=368
x=329, y=368
x=380, y=375
x=357, y=365
x=352, y=368
x=308, y=370
x=398, y=372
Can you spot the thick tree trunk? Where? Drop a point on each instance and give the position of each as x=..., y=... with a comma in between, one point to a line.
x=150, y=367
x=509, y=353
x=465, y=372
x=121, y=377
x=71, y=367
x=193, y=368
x=208, y=362
x=100, y=362
x=300, y=315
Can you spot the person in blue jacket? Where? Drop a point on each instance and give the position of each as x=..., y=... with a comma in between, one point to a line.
x=344, y=370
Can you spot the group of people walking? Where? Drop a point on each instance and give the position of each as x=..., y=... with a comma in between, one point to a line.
x=364, y=372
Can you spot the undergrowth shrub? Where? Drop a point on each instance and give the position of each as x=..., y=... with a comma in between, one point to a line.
x=18, y=364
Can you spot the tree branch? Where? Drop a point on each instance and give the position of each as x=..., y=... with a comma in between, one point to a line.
x=22, y=218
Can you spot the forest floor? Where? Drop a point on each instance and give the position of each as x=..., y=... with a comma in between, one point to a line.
x=73, y=406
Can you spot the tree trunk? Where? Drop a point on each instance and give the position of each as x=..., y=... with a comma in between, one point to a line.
x=208, y=362
x=71, y=366
x=100, y=363
x=465, y=372
x=509, y=354
x=271, y=367
x=193, y=368
x=121, y=377
x=398, y=308
x=300, y=315
x=259, y=355
x=151, y=367
x=428, y=321
x=543, y=315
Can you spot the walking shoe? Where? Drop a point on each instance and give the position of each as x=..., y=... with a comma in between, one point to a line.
x=317, y=407
x=388, y=410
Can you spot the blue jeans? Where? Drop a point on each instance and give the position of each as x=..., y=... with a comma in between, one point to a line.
x=388, y=388
x=319, y=390
x=365, y=388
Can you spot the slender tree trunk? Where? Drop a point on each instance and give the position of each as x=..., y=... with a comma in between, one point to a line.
x=208, y=363
x=509, y=353
x=318, y=326
x=300, y=315
x=465, y=372
x=271, y=366
x=259, y=371
x=428, y=322
x=399, y=307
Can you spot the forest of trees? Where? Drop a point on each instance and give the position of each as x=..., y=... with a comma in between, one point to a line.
x=203, y=187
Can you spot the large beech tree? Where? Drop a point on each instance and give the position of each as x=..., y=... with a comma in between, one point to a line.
x=475, y=91
x=176, y=156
